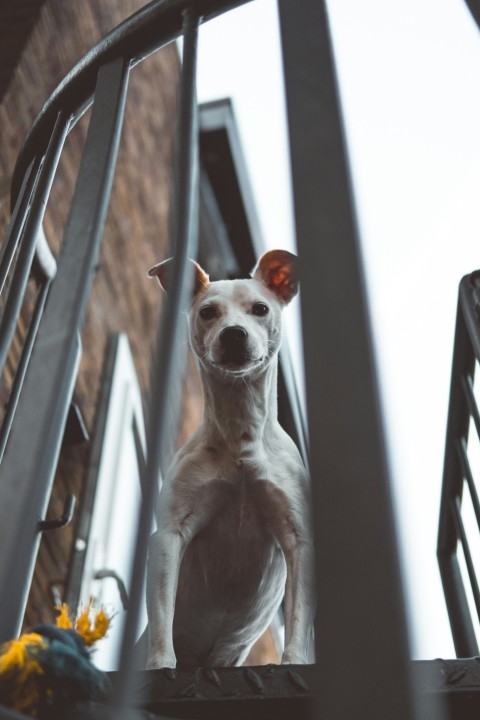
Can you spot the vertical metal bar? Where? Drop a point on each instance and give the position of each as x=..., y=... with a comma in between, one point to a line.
x=456, y=510
x=469, y=301
x=34, y=443
x=461, y=623
x=22, y=367
x=30, y=233
x=169, y=338
x=15, y=226
x=461, y=447
x=361, y=627
x=463, y=365
x=467, y=385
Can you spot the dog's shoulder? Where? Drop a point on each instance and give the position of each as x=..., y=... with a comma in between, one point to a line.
x=193, y=464
x=284, y=454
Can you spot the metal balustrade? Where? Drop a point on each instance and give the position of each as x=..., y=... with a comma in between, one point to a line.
x=361, y=629
x=457, y=471
x=462, y=408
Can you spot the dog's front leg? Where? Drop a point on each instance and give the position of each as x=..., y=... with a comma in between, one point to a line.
x=292, y=528
x=299, y=600
x=165, y=554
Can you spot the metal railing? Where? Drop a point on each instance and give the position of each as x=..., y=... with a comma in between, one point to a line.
x=457, y=474
x=361, y=631
x=457, y=471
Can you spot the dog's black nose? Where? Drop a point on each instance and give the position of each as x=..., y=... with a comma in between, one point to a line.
x=233, y=336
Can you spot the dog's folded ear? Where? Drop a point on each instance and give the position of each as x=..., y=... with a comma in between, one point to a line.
x=162, y=272
x=277, y=270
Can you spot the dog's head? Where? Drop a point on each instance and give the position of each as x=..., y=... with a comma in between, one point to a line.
x=235, y=325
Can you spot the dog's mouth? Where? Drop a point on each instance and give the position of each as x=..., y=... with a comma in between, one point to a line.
x=235, y=357
x=237, y=362
x=234, y=353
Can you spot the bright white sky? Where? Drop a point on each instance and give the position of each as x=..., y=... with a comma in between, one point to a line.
x=409, y=75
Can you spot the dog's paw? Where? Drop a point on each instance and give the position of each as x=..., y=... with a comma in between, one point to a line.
x=291, y=657
x=156, y=661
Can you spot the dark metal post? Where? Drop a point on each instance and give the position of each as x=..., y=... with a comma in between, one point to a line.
x=34, y=443
x=15, y=226
x=456, y=510
x=30, y=233
x=170, y=337
x=22, y=368
x=466, y=346
x=361, y=633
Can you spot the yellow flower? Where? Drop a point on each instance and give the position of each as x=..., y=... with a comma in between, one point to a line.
x=90, y=630
x=63, y=620
x=18, y=659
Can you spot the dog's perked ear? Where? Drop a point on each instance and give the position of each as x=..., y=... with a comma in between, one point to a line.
x=162, y=272
x=277, y=270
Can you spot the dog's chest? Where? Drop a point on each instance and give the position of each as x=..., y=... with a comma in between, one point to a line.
x=236, y=547
x=240, y=499
x=242, y=486
x=237, y=490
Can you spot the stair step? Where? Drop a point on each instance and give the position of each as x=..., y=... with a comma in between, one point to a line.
x=286, y=691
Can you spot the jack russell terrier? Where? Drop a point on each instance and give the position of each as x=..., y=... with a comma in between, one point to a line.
x=234, y=530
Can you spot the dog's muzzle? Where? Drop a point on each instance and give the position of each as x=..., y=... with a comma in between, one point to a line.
x=233, y=341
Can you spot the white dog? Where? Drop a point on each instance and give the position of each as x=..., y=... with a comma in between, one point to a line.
x=234, y=532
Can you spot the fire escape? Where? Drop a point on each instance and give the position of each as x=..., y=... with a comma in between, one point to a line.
x=362, y=668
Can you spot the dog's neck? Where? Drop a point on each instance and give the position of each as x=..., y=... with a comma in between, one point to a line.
x=240, y=410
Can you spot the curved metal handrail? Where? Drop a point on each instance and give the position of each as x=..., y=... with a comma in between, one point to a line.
x=140, y=35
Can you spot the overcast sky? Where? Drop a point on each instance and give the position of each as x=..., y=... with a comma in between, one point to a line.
x=409, y=76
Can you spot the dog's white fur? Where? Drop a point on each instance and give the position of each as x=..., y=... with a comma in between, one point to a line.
x=234, y=533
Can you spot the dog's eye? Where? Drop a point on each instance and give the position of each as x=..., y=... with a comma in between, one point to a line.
x=208, y=312
x=260, y=309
